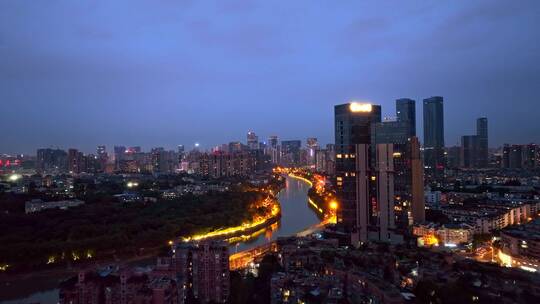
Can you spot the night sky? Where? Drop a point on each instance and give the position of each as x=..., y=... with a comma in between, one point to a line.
x=163, y=73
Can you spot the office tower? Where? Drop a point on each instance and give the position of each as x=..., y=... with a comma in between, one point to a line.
x=204, y=268
x=469, y=151
x=119, y=152
x=385, y=191
x=434, y=138
x=180, y=149
x=364, y=174
x=273, y=141
x=51, y=161
x=235, y=147
x=529, y=156
x=418, y=201
x=163, y=161
x=397, y=133
x=252, y=141
x=102, y=158
x=453, y=157
x=406, y=112
x=519, y=156
x=101, y=150
x=290, y=150
x=482, y=154
x=75, y=161
x=312, y=147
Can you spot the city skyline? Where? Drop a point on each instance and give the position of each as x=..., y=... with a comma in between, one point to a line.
x=81, y=75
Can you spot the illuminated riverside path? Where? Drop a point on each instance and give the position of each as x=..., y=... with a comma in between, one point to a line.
x=296, y=218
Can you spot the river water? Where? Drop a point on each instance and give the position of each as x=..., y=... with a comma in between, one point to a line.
x=295, y=217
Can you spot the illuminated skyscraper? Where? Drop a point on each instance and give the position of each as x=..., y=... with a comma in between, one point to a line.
x=434, y=138
x=364, y=174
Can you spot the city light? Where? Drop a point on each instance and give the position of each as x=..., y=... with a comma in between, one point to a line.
x=333, y=205
x=132, y=184
x=14, y=177
x=360, y=107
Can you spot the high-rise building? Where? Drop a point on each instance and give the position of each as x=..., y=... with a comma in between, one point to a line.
x=235, y=146
x=397, y=133
x=290, y=150
x=434, y=138
x=204, y=268
x=364, y=174
x=102, y=158
x=75, y=161
x=529, y=156
x=312, y=147
x=273, y=141
x=252, y=141
x=406, y=112
x=51, y=160
x=520, y=156
x=418, y=200
x=453, y=157
x=469, y=151
x=482, y=153
x=163, y=161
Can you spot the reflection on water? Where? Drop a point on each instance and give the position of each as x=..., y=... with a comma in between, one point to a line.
x=295, y=217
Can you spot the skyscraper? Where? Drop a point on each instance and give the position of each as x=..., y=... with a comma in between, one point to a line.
x=406, y=112
x=102, y=158
x=273, y=141
x=252, y=141
x=291, y=152
x=469, y=151
x=482, y=155
x=51, y=160
x=434, y=138
x=418, y=201
x=312, y=148
x=364, y=174
x=75, y=161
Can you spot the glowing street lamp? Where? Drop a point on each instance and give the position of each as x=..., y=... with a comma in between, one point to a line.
x=333, y=205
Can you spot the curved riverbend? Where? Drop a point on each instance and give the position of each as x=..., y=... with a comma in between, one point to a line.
x=296, y=215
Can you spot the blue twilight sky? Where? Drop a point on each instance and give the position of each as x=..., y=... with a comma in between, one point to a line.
x=164, y=72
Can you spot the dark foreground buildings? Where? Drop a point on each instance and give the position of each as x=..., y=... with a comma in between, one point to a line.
x=197, y=272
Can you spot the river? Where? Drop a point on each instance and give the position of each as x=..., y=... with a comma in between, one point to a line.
x=295, y=217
